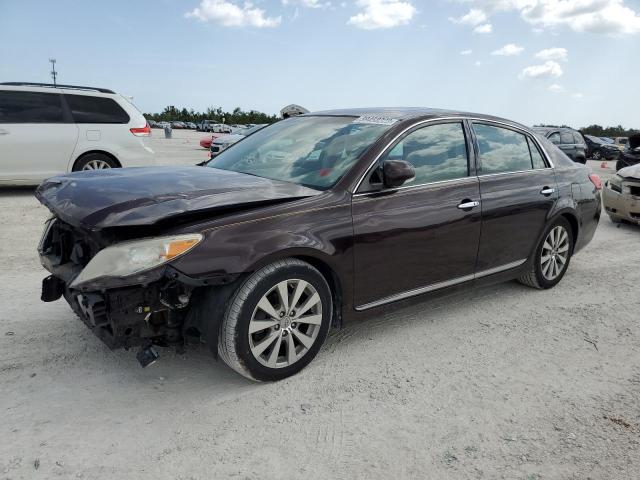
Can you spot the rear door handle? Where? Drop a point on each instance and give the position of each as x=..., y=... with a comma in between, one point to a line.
x=547, y=191
x=468, y=204
x=4, y=132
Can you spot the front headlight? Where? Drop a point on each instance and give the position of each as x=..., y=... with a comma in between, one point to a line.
x=130, y=258
x=615, y=183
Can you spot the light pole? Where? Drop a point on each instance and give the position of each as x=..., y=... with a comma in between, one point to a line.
x=54, y=74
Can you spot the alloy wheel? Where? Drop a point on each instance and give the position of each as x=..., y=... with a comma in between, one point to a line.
x=285, y=323
x=597, y=155
x=555, y=253
x=96, y=165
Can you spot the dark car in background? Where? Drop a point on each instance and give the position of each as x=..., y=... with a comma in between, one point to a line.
x=308, y=223
x=631, y=154
x=566, y=139
x=598, y=149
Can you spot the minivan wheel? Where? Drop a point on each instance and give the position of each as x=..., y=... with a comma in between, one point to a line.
x=276, y=321
x=552, y=256
x=94, y=161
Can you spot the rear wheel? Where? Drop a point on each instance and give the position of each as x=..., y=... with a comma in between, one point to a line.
x=552, y=256
x=277, y=321
x=597, y=155
x=94, y=161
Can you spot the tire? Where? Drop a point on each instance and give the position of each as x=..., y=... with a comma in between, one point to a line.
x=540, y=276
x=581, y=160
x=265, y=353
x=94, y=161
x=597, y=155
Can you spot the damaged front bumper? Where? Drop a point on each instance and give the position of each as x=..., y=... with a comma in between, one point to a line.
x=622, y=205
x=151, y=308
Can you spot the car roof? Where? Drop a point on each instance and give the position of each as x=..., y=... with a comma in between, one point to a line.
x=49, y=88
x=406, y=113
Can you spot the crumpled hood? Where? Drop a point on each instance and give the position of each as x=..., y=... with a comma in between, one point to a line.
x=143, y=196
x=630, y=172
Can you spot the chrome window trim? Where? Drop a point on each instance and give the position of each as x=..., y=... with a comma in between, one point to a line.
x=462, y=180
x=437, y=286
x=461, y=119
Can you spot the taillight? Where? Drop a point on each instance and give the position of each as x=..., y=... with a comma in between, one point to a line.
x=142, y=132
x=595, y=179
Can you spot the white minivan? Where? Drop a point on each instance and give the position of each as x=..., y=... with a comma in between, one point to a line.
x=46, y=130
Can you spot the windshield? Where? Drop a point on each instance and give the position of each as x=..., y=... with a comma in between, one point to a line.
x=310, y=151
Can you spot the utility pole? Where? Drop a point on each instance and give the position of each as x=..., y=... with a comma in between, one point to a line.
x=54, y=74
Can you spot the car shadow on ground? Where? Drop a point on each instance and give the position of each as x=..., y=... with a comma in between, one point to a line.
x=198, y=366
x=17, y=191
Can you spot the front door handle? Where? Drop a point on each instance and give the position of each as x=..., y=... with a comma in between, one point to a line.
x=468, y=204
x=4, y=132
x=546, y=191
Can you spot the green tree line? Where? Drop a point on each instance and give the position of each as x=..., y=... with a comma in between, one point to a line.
x=237, y=116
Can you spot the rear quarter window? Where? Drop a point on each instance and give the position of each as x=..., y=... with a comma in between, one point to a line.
x=30, y=107
x=88, y=109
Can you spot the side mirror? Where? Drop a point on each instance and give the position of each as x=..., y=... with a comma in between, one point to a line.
x=397, y=172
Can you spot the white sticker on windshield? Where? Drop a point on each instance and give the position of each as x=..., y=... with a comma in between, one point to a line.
x=376, y=119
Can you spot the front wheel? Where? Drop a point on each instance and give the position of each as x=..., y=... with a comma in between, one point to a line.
x=276, y=321
x=597, y=155
x=552, y=256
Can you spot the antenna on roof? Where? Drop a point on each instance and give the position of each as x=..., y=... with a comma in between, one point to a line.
x=54, y=74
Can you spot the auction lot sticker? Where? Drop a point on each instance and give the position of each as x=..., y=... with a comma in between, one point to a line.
x=376, y=120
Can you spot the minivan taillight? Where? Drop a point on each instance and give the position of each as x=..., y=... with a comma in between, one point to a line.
x=142, y=132
x=595, y=179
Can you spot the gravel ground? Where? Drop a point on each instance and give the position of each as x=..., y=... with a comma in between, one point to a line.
x=500, y=382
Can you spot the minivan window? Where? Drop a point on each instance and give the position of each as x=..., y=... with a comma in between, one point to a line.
x=30, y=107
x=502, y=150
x=88, y=109
x=437, y=152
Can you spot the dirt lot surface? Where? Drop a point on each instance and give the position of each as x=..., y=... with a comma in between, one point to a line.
x=501, y=382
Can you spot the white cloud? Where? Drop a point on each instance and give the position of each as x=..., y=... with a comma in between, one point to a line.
x=595, y=16
x=382, y=14
x=548, y=69
x=307, y=3
x=466, y=52
x=229, y=14
x=555, y=88
x=478, y=63
x=557, y=54
x=577, y=95
x=508, y=50
x=484, y=28
x=474, y=17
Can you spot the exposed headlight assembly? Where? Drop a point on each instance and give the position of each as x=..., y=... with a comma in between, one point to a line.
x=128, y=259
x=615, y=183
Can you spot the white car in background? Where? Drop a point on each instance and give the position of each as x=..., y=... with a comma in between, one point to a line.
x=46, y=130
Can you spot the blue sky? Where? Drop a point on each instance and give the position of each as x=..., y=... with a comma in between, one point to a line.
x=550, y=61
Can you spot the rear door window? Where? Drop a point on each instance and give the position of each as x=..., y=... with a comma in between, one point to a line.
x=30, y=107
x=88, y=109
x=536, y=156
x=554, y=137
x=502, y=150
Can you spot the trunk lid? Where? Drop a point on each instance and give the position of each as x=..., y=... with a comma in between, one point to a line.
x=117, y=197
